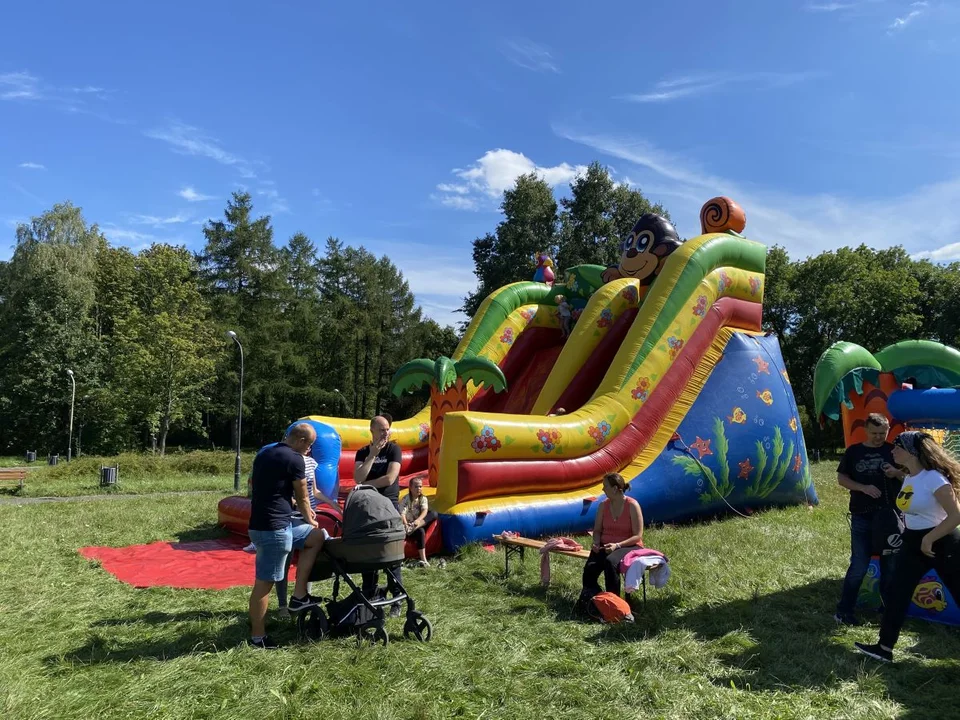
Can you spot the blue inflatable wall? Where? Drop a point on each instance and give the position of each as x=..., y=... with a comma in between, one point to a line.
x=326, y=451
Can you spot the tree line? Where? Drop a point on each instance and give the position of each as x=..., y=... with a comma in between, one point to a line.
x=324, y=329
x=144, y=334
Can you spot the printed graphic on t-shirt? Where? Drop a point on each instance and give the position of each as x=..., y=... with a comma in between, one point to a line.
x=870, y=465
x=904, y=498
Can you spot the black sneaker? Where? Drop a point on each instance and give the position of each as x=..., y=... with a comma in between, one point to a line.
x=875, y=651
x=847, y=619
x=395, y=610
x=298, y=604
x=264, y=643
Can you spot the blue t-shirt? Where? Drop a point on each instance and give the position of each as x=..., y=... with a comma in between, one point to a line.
x=275, y=469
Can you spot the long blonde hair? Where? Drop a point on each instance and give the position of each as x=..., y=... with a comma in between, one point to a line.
x=933, y=457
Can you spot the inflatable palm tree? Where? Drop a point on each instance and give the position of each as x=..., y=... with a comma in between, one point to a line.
x=448, y=391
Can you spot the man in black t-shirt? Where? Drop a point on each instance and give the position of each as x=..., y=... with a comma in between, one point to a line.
x=378, y=465
x=868, y=472
x=279, y=475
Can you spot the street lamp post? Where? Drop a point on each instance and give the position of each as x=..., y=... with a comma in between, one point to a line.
x=236, y=465
x=340, y=394
x=73, y=397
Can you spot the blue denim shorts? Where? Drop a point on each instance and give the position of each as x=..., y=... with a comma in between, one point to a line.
x=273, y=547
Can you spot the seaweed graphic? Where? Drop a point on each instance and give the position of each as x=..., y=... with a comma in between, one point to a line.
x=768, y=478
x=715, y=489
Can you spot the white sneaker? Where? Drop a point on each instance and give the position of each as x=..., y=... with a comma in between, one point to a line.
x=326, y=535
x=251, y=548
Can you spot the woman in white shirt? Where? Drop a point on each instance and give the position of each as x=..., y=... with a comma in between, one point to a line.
x=929, y=501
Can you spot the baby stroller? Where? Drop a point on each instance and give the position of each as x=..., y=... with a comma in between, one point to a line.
x=372, y=540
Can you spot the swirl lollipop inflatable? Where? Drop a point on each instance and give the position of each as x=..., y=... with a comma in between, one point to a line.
x=720, y=215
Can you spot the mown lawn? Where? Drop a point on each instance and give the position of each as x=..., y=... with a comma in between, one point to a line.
x=139, y=474
x=742, y=630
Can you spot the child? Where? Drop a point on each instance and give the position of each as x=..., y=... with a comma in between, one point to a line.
x=416, y=515
x=566, y=314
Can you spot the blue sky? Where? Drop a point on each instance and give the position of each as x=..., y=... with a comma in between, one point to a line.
x=397, y=126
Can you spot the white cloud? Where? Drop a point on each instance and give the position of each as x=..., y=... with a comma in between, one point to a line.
x=495, y=172
x=836, y=6
x=947, y=253
x=925, y=220
x=188, y=140
x=32, y=166
x=691, y=85
x=529, y=55
x=190, y=195
x=158, y=222
x=901, y=22
x=19, y=86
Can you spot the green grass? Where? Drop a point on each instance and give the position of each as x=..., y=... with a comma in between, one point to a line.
x=139, y=474
x=743, y=630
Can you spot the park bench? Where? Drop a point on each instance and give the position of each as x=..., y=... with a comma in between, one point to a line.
x=516, y=545
x=14, y=475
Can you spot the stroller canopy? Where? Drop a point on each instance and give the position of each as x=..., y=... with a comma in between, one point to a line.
x=369, y=517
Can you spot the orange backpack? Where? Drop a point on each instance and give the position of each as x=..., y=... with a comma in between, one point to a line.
x=610, y=608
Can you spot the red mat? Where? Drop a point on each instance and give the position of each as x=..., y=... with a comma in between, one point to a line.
x=205, y=564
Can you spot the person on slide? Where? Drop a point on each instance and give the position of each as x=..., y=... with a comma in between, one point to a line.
x=617, y=530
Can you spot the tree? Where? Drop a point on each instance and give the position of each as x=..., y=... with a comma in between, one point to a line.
x=597, y=217
x=243, y=280
x=529, y=226
x=166, y=343
x=46, y=325
x=448, y=392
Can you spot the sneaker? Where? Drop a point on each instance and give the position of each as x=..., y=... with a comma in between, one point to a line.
x=423, y=563
x=283, y=612
x=847, y=619
x=251, y=548
x=298, y=604
x=395, y=610
x=875, y=651
x=264, y=643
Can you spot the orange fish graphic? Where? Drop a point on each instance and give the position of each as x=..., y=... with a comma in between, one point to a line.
x=738, y=416
x=929, y=596
x=793, y=424
x=766, y=396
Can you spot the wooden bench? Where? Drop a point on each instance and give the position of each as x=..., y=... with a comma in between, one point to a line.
x=518, y=545
x=13, y=476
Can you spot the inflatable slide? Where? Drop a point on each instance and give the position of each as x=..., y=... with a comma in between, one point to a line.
x=665, y=377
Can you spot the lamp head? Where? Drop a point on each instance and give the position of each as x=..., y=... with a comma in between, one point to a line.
x=231, y=334
x=69, y=372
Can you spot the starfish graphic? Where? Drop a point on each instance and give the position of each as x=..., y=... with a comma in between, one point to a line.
x=797, y=463
x=762, y=365
x=745, y=469
x=702, y=447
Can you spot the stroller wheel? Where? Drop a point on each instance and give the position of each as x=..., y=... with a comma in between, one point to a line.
x=372, y=635
x=418, y=626
x=312, y=625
